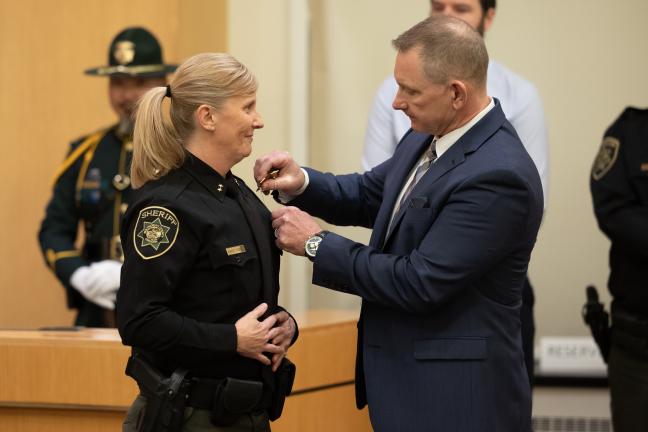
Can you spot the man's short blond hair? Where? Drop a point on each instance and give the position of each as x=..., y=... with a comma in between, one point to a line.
x=449, y=49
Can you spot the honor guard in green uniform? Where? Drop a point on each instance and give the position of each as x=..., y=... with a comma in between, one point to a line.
x=92, y=185
x=619, y=185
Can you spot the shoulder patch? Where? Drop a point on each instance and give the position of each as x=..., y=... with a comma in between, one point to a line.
x=606, y=157
x=155, y=232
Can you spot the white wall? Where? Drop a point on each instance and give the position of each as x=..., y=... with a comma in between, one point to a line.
x=262, y=34
x=587, y=58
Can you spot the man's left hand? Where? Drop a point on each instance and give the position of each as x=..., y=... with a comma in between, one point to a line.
x=292, y=227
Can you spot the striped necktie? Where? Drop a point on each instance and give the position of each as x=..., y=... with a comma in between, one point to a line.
x=423, y=166
x=428, y=159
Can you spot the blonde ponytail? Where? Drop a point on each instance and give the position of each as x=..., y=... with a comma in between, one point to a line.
x=156, y=146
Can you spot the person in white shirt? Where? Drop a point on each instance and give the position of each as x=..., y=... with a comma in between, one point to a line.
x=520, y=102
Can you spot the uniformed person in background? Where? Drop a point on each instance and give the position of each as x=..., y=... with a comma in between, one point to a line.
x=198, y=301
x=619, y=185
x=92, y=185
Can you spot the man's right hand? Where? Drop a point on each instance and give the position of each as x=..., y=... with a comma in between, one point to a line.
x=253, y=336
x=98, y=282
x=289, y=179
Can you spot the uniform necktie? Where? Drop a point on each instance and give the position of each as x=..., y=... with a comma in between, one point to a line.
x=261, y=231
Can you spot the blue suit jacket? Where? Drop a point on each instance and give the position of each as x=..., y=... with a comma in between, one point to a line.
x=439, y=346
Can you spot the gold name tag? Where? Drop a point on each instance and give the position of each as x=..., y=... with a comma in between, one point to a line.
x=644, y=167
x=235, y=250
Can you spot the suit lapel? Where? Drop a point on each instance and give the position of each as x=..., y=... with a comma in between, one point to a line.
x=448, y=161
x=453, y=157
x=403, y=162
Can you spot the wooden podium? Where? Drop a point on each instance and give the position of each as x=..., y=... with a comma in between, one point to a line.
x=67, y=381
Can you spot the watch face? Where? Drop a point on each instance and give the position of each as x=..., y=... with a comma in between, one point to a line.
x=311, y=245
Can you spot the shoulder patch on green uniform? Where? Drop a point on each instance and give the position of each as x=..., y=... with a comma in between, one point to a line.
x=606, y=157
x=155, y=232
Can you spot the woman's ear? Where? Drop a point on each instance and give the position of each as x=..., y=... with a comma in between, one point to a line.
x=206, y=117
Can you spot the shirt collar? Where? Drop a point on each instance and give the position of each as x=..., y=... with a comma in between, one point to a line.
x=206, y=175
x=447, y=140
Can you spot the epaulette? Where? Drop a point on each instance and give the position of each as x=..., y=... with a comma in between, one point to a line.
x=89, y=143
x=632, y=113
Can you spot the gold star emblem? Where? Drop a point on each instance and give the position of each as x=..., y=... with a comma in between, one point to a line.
x=154, y=234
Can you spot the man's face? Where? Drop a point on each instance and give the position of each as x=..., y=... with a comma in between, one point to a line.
x=124, y=92
x=427, y=104
x=469, y=11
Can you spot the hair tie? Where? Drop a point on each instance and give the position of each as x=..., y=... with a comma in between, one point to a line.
x=168, y=92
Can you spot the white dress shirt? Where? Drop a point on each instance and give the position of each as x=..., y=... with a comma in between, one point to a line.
x=442, y=145
x=518, y=97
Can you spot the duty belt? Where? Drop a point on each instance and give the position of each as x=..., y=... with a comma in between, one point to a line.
x=630, y=322
x=202, y=393
x=630, y=331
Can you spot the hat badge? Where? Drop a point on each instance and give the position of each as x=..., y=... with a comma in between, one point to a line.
x=124, y=52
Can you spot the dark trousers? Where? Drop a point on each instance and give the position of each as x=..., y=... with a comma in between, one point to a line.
x=628, y=377
x=197, y=420
x=528, y=327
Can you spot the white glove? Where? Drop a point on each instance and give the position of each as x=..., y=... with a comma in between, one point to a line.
x=98, y=282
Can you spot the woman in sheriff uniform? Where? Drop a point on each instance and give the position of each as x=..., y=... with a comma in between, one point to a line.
x=198, y=300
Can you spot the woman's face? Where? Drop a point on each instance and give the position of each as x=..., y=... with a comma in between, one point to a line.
x=236, y=121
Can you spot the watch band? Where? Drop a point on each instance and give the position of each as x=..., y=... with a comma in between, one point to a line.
x=323, y=233
x=308, y=249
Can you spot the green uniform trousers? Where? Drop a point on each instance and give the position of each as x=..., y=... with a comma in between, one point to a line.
x=197, y=420
x=628, y=377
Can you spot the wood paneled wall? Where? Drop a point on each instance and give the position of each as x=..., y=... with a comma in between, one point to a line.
x=46, y=102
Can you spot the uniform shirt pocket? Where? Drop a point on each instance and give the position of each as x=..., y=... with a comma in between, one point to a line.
x=237, y=255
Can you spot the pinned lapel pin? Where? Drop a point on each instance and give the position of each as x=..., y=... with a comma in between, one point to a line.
x=271, y=175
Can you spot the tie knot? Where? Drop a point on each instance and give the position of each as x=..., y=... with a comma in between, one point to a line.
x=430, y=153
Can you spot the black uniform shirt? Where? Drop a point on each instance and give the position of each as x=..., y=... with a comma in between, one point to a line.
x=192, y=268
x=619, y=185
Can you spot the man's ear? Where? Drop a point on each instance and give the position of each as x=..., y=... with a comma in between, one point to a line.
x=206, y=118
x=489, y=16
x=459, y=94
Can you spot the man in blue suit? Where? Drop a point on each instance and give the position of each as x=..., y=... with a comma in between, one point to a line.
x=455, y=213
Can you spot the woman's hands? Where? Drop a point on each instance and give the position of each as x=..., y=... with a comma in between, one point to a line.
x=256, y=339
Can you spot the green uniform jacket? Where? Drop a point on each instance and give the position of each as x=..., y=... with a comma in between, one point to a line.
x=87, y=190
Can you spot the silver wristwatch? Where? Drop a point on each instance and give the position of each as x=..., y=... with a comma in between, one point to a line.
x=312, y=244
